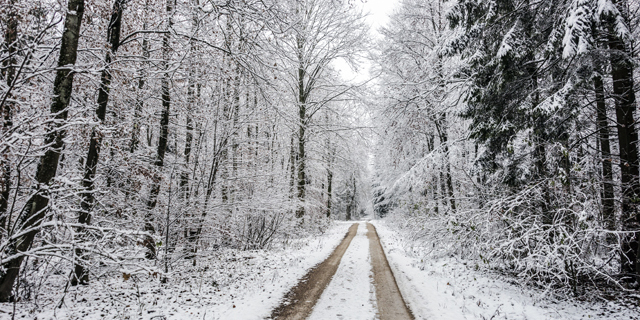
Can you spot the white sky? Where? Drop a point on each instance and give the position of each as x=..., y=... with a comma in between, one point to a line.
x=379, y=11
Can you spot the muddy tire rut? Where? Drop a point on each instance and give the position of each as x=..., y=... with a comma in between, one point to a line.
x=301, y=299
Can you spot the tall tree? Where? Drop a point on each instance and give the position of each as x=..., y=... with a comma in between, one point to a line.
x=34, y=211
x=81, y=275
x=324, y=31
x=616, y=19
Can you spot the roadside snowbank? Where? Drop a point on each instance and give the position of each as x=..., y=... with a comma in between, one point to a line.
x=451, y=289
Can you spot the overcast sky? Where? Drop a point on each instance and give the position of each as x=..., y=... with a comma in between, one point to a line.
x=379, y=11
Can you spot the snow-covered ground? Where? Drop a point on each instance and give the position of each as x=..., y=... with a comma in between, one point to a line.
x=350, y=295
x=450, y=289
x=240, y=285
x=231, y=284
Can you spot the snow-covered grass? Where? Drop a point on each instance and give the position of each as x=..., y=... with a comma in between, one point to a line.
x=225, y=284
x=451, y=289
x=350, y=295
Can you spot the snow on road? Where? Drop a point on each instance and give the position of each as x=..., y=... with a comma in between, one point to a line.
x=350, y=295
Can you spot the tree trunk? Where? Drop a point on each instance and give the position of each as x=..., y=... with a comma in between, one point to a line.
x=302, y=113
x=9, y=74
x=163, y=137
x=34, y=210
x=608, y=214
x=194, y=235
x=135, y=133
x=329, y=191
x=91, y=164
x=235, y=144
x=292, y=167
x=441, y=126
x=434, y=179
x=625, y=100
x=191, y=101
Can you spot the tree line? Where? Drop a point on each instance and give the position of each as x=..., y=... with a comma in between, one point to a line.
x=513, y=125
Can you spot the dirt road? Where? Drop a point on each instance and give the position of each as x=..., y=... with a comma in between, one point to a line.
x=299, y=302
x=348, y=285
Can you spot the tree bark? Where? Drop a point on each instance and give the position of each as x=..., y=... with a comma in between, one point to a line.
x=135, y=132
x=608, y=214
x=191, y=101
x=292, y=167
x=442, y=133
x=329, y=191
x=36, y=206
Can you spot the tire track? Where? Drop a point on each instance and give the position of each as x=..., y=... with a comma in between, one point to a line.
x=301, y=299
x=391, y=305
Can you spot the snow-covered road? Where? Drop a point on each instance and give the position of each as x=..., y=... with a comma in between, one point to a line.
x=350, y=295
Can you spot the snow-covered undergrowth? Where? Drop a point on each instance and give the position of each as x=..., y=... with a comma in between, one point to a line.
x=539, y=235
x=225, y=284
x=455, y=287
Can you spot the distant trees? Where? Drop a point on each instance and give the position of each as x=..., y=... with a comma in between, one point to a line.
x=323, y=31
x=419, y=104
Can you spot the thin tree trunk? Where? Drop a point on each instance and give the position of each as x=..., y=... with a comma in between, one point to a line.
x=34, y=210
x=235, y=143
x=135, y=133
x=332, y=153
x=434, y=179
x=302, y=113
x=224, y=148
x=608, y=214
x=292, y=167
x=184, y=176
x=441, y=127
x=329, y=191
x=91, y=164
x=194, y=235
x=163, y=137
x=193, y=95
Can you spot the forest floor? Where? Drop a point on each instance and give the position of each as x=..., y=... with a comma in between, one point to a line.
x=360, y=282
x=226, y=284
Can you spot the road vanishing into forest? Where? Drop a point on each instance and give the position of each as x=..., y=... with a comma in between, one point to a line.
x=354, y=282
